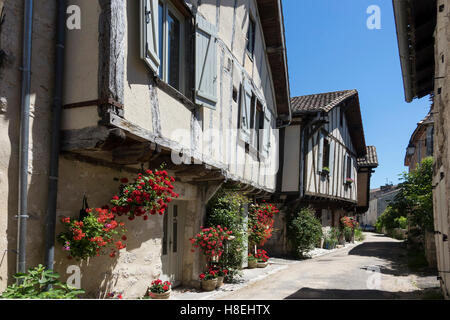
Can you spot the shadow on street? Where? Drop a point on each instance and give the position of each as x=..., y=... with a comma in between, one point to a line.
x=309, y=293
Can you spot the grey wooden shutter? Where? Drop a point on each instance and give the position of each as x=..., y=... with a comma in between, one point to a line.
x=267, y=128
x=246, y=101
x=320, y=154
x=150, y=34
x=205, y=63
x=331, y=163
x=353, y=167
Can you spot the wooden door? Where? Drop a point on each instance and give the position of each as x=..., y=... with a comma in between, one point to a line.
x=172, y=244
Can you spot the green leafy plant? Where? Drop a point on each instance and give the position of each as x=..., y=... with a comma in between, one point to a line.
x=34, y=285
x=304, y=231
x=226, y=209
x=359, y=236
x=331, y=238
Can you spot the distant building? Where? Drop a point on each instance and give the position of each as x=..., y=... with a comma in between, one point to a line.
x=379, y=200
x=421, y=143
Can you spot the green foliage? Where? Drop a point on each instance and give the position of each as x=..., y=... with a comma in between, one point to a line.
x=304, y=232
x=413, y=203
x=359, y=236
x=226, y=209
x=418, y=193
x=34, y=284
x=348, y=233
x=331, y=238
x=402, y=222
x=390, y=219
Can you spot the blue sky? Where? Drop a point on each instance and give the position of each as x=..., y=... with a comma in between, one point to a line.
x=330, y=48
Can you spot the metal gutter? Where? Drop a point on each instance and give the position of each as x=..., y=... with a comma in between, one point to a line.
x=401, y=22
x=55, y=134
x=24, y=137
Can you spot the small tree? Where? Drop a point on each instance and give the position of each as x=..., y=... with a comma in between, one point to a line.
x=305, y=231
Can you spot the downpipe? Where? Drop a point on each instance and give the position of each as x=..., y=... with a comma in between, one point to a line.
x=55, y=135
x=24, y=138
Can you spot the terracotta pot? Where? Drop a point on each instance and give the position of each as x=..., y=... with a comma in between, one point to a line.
x=160, y=296
x=220, y=282
x=252, y=264
x=209, y=285
x=262, y=264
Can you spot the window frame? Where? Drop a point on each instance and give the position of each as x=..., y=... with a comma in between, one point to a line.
x=164, y=60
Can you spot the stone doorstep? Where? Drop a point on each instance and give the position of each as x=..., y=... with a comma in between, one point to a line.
x=250, y=276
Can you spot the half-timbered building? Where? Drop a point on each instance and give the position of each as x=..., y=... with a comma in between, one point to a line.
x=324, y=161
x=200, y=86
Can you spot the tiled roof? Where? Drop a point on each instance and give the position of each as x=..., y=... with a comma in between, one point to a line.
x=319, y=102
x=371, y=158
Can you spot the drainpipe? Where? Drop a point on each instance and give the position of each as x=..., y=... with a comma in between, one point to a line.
x=24, y=138
x=55, y=135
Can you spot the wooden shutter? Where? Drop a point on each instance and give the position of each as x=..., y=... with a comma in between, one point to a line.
x=267, y=130
x=150, y=34
x=246, y=101
x=205, y=63
x=331, y=163
x=352, y=168
x=320, y=154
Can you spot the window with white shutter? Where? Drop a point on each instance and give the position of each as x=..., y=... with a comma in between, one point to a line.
x=246, y=101
x=205, y=63
x=149, y=34
x=267, y=131
x=320, y=152
x=331, y=162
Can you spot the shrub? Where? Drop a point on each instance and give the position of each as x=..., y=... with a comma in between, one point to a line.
x=359, y=236
x=304, y=231
x=226, y=209
x=34, y=285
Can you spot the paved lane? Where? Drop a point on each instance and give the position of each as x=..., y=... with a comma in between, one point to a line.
x=375, y=269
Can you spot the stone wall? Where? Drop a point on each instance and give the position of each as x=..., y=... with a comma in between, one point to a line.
x=41, y=101
x=441, y=180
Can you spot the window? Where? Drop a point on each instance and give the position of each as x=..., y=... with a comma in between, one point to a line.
x=170, y=44
x=251, y=36
x=349, y=167
x=259, y=126
x=326, y=154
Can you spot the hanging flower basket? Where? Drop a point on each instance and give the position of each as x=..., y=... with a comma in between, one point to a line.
x=149, y=194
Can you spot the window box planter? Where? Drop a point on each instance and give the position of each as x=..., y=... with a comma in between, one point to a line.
x=349, y=181
x=325, y=171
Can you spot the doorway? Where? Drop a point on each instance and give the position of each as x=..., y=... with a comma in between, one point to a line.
x=172, y=244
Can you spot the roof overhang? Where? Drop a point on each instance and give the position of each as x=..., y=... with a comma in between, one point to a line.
x=415, y=22
x=272, y=21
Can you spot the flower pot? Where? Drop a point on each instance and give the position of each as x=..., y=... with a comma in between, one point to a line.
x=262, y=264
x=209, y=285
x=220, y=282
x=160, y=296
x=252, y=264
